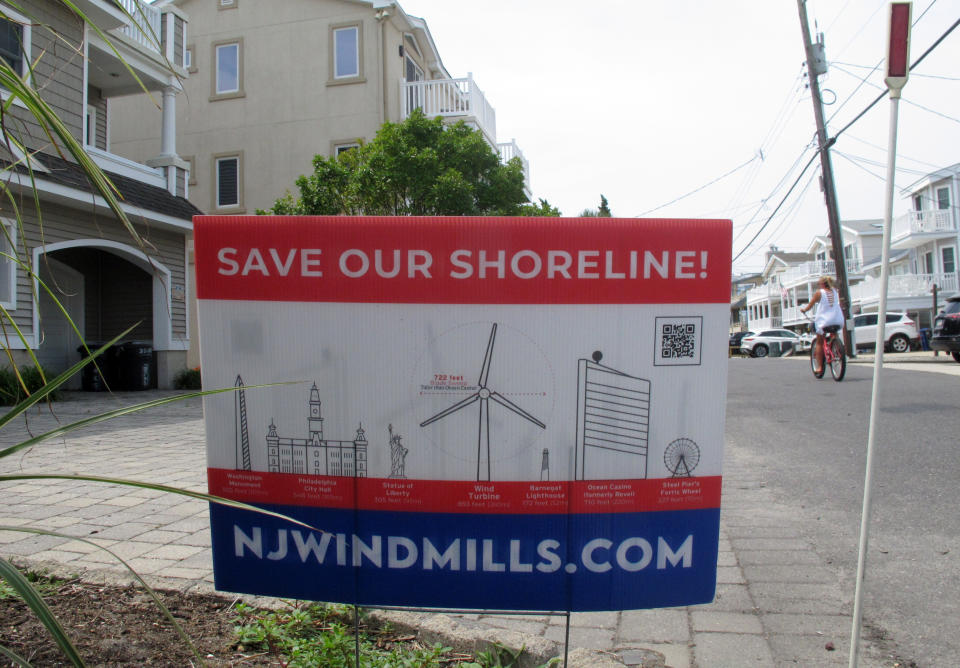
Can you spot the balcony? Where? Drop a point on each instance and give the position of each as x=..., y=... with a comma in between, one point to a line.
x=142, y=24
x=510, y=150
x=906, y=289
x=456, y=99
x=916, y=228
x=132, y=40
x=809, y=272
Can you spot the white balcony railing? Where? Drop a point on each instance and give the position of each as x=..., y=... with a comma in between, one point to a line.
x=451, y=98
x=905, y=285
x=143, y=23
x=809, y=272
x=510, y=150
x=924, y=222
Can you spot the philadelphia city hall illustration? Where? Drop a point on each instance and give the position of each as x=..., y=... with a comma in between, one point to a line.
x=312, y=455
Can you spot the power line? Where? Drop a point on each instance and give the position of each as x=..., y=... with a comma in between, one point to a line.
x=884, y=93
x=913, y=74
x=696, y=190
x=915, y=104
x=767, y=222
x=879, y=63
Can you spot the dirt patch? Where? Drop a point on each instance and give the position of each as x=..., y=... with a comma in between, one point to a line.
x=122, y=626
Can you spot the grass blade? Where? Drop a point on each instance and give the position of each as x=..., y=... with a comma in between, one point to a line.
x=53, y=385
x=210, y=498
x=156, y=599
x=27, y=592
x=14, y=658
x=100, y=417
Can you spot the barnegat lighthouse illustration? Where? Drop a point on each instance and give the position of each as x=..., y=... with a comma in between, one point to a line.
x=483, y=395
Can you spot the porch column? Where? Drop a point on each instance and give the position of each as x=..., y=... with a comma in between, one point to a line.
x=168, y=137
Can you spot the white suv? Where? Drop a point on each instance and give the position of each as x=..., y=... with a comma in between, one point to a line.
x=899, y=331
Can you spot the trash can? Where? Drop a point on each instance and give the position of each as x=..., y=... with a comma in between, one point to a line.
x=925, y=333
x=774, y=349
x=101, y=373
x=135, y=366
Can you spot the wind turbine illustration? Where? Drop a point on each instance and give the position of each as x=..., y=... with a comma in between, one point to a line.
x=484, y=395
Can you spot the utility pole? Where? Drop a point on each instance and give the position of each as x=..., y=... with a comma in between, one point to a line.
x=817, y=65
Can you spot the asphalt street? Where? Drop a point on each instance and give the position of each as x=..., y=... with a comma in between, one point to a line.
x=808, y=439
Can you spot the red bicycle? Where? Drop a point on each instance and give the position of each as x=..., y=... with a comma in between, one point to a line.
x=834, y=354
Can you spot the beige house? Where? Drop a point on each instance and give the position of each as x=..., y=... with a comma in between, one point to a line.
x=272, y=84
x=69, y=238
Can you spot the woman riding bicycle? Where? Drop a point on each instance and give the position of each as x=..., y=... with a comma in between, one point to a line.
x=827, y=301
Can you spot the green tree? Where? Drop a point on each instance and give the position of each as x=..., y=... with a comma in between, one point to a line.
x=602, y=212
x=542, y=208
x=420, y=167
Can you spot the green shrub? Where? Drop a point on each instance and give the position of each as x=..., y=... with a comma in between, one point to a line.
x=11, y=391
x=187, y=379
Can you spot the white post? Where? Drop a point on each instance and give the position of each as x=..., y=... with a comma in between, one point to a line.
x=898, y=41
x=168, y=137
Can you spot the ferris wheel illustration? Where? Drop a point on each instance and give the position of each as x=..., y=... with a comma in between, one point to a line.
x=681, y=457
x=484, y=395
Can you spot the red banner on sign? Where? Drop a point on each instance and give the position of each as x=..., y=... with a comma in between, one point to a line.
x=463, y=260
x=460, y=496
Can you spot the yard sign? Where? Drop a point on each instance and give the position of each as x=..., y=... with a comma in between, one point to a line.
x=490, y=413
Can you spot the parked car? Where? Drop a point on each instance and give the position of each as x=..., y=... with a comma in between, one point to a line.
x=735, y=340
x=758, y=345
x=900, y=332
x=946, y=329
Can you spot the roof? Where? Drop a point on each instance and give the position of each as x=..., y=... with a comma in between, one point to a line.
x=876, y=261
x=131, y=191
x=932, y=177
x=865, y=226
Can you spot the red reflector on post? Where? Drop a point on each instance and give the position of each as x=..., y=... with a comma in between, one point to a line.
x=899, y=39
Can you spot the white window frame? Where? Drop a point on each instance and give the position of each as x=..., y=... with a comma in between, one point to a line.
x=953, y=250
x=343, y=147
x=26, y=40
x=217, y=160
x=356, y=74
x=218, y=93
x=946, y=190
x=8, y=266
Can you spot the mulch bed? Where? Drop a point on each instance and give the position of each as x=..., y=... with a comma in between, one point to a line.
x=122, y=626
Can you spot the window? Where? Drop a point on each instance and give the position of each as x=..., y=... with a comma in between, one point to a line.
x=15, y=41
x=226, y=4
x=948, y=255
x=8, y=268
x=228, y=70
x=343, y=146
x=346, y=54
x=943, y=198
x=228, y=181
x=188, y=61
x=918, y=203
x=90, y=126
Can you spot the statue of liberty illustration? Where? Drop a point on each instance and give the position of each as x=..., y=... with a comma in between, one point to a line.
x=484, y=395
x=398, y=455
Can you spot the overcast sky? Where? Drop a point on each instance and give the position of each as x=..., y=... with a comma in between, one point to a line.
x=646, y=101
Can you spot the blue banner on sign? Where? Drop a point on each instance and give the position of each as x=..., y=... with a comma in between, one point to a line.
x=577, y=562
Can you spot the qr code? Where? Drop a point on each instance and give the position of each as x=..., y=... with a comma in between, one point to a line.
x=678, y=341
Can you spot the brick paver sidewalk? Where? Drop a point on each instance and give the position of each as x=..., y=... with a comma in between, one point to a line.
x=777, y=602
